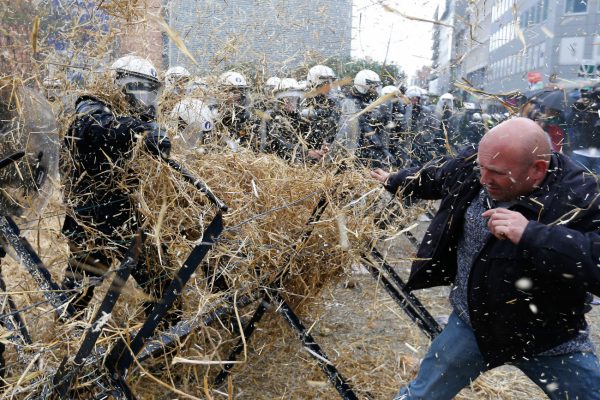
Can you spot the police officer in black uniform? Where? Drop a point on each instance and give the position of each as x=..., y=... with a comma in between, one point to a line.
x=321, y=109
x=101, y=218
x=236, y=117
x=373, y=137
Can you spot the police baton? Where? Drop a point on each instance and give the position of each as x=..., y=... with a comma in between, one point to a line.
x=11, y=158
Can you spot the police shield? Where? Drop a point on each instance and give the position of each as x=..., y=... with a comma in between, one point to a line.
x=345, y=142
x=26, y=124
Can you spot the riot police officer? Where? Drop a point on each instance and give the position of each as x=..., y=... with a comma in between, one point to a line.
x=235, y=112
x=368, y=139
x=101, y=216
x=284, y=132
x=321, y=108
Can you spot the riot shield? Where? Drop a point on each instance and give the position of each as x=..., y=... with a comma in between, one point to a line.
x=345, y=142
x=27, y=124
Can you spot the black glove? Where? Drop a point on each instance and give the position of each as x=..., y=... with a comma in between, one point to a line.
x=156, y=141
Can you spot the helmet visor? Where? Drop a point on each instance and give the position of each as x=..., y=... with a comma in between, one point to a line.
x=374, y=86
x=144, y=93
x=323, y=79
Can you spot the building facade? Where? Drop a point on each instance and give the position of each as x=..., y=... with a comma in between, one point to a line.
x=508, y=45
x=448, y=45
x=476, y=51
x=275, y=35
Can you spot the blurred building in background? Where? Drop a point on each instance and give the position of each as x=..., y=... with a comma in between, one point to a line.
x=448, y=43
x=511, y=45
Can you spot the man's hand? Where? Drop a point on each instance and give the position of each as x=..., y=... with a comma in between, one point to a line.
x=156, y=141
x=380, y=175
x=315, y=154
x=318, y=154
x=506, y=224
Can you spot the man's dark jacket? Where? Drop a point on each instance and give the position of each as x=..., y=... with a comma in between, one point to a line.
x=523, y=299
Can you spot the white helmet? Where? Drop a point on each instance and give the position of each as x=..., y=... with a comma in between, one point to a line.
x=288, y=85
x=272, y=82
x=414, y=91
x=319, y=75
x=390, y=89
x=232, y=79
x=176, y=74
x=446, y=102
x=194, y=112
x=366, y=81
x=135, y=66
x=139, y=80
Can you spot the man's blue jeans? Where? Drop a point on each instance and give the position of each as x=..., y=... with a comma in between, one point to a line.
x=454, y=360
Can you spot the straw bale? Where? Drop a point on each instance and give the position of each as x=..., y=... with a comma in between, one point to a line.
x=270, y=203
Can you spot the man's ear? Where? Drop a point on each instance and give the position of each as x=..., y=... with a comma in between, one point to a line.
x=540, y=168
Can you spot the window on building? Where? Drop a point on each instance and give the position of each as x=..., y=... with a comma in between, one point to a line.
x=532, y=20
x=521, y=66
x=576, y=6
x=540, y=10
x=596, y=47
x=535, y=57
x=542, y=61
x=545, y=14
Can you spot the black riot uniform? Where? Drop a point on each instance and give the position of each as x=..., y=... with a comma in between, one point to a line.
x=283, y=135
x=238, y=121
x=322, y=113
x=373, y=138
x=101, y=219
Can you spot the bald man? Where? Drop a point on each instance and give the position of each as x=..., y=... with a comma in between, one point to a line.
x=517, y=237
